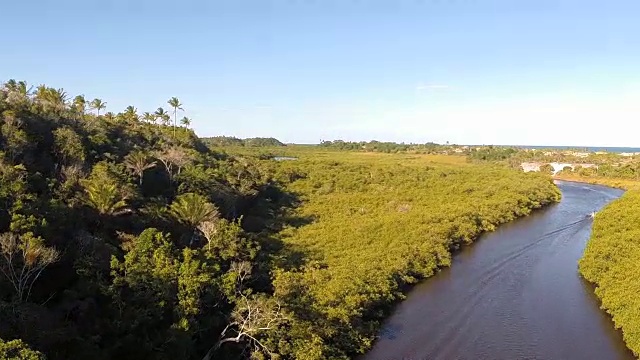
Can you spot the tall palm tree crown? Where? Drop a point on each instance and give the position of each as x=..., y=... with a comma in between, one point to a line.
x=176, y=105
x=104, y=197
x=148, y=117
x=138, y=162
x=131, y=113
x=98, y=105
x=80, y=104
x=162, y=116
x=193, y=209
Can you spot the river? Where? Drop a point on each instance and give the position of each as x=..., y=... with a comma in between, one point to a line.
x=514, y=294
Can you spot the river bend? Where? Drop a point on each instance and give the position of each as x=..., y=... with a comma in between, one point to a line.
x=514, y=294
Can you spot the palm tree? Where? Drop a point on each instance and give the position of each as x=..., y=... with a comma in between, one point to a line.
x=104, y=197
x=131, y=113
x=176, y=105
x=50, y=98
x=98, y=105
x=193, y=209
x=10, y=85
x=162, y=116
x=148, y=117
x=80, y=104
x=41, y=97
x=185, y=121
x=17, y=91
x=58, y=98
x=40, y=94
x=110, y=116
x=138, y=162
x=22, y=88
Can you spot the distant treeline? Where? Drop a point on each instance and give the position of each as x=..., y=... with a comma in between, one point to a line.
x=385, y=147
x=222, y=141
x=492, y=153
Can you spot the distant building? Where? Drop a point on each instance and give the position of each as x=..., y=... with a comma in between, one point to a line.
x=529, y=167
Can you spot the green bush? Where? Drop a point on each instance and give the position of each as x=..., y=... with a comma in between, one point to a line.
x=18, y=350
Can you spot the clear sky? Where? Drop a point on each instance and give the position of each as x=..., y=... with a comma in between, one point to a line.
x=534, y=72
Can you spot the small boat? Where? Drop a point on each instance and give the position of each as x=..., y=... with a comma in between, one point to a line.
x=593, y=214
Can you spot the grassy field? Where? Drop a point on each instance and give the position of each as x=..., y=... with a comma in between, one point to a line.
x=312, y=152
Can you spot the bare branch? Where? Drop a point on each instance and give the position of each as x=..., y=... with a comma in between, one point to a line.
x=23, y=260
x=253, y=316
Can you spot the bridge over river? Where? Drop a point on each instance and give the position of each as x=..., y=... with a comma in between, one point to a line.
x=557, y=167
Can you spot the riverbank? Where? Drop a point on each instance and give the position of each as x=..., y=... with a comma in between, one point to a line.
x=623, y=184
x=610, y=260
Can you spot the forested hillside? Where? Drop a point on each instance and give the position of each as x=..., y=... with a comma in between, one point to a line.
x=611, y=262
x=123, y=236
x=120, y=233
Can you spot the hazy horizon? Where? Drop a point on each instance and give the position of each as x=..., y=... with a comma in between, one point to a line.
x=588, y=147
x=490, y=71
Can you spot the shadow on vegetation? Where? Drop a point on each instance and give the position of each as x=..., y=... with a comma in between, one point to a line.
x=272, y=211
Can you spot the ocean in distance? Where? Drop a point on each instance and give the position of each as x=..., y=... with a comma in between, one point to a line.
x=577, y=148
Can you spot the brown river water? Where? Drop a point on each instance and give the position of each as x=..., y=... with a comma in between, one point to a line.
x=514, y=294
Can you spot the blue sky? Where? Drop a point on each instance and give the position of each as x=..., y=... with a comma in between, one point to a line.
x=466, y=71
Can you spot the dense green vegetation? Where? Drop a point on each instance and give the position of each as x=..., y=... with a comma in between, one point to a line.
x=613, y=252
x=377, y=223
x=120, y=234
x=627, y=170
x=17, y=350
x=125, y=236
x=611, y=261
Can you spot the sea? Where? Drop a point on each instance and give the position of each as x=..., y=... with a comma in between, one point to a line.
x=579, y=148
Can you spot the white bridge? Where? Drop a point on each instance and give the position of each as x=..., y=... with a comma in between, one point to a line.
x=557, y=167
